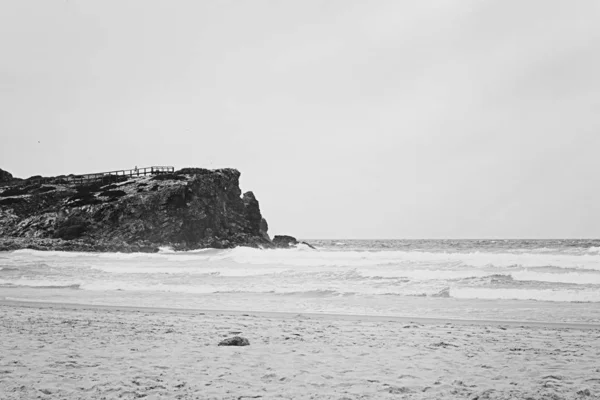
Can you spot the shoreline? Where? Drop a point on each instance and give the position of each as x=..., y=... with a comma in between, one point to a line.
x=297, y=315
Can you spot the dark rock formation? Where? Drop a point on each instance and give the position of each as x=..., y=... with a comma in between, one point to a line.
x=192, y=208
x=5, y=176
x=258, y=224
x=235, y=341
x=284, y=241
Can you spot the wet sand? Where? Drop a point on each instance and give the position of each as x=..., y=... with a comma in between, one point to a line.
x=54, y=351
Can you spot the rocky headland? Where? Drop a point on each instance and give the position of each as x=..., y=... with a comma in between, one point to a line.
x=188, y=209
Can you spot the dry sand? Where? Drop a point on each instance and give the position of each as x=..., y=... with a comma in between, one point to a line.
x=85, y=352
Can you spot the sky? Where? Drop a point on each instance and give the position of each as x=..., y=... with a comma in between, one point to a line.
x=347, y=119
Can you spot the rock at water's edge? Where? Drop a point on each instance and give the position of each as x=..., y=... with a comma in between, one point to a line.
x=287, y=242
x=284, y=241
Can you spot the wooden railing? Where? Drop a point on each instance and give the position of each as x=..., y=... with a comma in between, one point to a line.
x=99, y=176
x=106, y=176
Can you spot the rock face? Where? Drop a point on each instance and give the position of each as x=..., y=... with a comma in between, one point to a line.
x=192, y=208
x=5, y=176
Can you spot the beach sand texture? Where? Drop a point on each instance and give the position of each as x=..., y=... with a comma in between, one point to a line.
x=102, y=353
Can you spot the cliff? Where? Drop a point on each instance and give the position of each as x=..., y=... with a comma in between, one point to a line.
x=189, y=209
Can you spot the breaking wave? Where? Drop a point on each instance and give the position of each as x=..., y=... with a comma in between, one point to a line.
x=542, y=273
x=564, y=295
x=306, y=257
x=38, y=285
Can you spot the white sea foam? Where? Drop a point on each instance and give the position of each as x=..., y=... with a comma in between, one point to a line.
x=305, y=256
x=39, y=283
x=147, y=287
x=185, y=270
x=45, y=254
x=581, y=278
x=372, y=258
x=539, y=274
x=564, y=295
x=423, y=274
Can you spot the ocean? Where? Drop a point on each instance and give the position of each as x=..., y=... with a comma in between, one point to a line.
x=516, y=280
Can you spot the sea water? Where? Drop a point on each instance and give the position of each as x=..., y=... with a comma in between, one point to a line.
x=523, y=280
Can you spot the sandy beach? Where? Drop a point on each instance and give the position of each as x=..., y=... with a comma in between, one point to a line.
x=53, y=351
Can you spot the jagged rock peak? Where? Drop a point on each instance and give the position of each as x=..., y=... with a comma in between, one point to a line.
x=5, y=176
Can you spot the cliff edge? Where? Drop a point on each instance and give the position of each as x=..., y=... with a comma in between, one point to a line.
x=189, y=209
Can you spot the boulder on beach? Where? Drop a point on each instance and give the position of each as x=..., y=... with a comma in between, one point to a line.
x=235, y=341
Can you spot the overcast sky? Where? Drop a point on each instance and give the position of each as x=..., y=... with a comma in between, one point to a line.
x=348, y=119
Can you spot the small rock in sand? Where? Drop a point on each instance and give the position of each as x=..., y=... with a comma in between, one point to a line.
x=235, y=341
